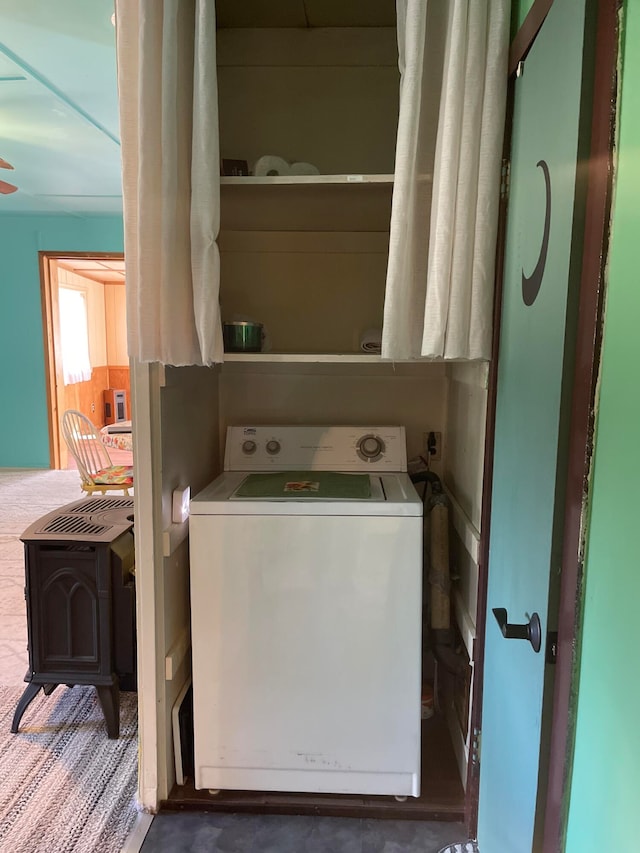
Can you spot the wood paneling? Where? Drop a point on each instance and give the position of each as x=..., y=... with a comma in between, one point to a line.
x=86, y=397
x=116, y=324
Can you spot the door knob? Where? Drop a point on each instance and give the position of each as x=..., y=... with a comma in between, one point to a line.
x=532, y=630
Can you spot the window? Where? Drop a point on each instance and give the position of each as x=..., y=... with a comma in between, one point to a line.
x=74, y=334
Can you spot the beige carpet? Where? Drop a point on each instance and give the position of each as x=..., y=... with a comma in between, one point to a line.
x=65, y=786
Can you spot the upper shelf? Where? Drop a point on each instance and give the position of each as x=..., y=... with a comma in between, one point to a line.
x=303, y=180
x=306, y=203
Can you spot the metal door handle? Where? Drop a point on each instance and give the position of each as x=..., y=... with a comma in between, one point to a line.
x=531, y=631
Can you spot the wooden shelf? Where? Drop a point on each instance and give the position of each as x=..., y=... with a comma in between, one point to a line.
x=303, y=358
x=303, y=180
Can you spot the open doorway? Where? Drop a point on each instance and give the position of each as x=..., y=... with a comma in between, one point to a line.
x=83, y=300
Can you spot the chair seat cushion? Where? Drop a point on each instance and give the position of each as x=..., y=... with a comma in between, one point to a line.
x=116, y=475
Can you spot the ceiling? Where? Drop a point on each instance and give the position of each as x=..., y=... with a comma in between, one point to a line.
x=58, y=92
x=59, y=107
x=105, y=271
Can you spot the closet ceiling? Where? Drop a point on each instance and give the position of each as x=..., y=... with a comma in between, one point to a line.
x=306, y=13
x=58, y=92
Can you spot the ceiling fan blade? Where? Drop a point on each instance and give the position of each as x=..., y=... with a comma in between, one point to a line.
x=7, y=189
x=5, y=165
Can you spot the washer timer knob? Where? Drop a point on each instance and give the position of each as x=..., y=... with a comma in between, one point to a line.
x=370, y=447
x=249, y=447
x=273, y=447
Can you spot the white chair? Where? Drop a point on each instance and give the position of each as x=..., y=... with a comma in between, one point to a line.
x=97, y=471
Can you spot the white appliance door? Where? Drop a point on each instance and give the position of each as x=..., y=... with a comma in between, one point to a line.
x=306, y=653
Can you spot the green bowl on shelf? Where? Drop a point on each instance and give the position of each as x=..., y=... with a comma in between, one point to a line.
x=242, y=336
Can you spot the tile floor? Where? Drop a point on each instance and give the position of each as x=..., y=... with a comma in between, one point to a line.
x=195, y=832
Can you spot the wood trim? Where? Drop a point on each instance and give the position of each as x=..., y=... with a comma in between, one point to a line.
x=53, y=367
x=54, y=382
x=526, y=35
x=153, y=772
x=49, y=361
x=588, y=345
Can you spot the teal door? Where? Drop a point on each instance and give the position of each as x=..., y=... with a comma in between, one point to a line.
x=526, y=512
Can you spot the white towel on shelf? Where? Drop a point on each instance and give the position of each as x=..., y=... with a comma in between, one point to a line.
x=270, y=164
x=304, y=169
x=372, y=341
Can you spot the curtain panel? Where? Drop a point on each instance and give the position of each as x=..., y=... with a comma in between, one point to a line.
x=167, y=82
x=440, y=277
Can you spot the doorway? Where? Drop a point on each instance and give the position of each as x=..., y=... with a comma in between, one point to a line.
x=97, y=283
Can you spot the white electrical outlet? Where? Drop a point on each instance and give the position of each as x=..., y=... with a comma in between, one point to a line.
x=432, y=445
x=180, y=505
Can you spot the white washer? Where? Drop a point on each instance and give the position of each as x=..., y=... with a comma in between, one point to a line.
x=306, y=602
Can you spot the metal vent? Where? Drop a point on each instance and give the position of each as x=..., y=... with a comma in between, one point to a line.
x=90, y=506
x=73, y=526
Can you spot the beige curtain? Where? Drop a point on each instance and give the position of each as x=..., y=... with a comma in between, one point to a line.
x=171, y=186
x=440, y=278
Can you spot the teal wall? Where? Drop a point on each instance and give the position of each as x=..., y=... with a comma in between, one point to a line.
x=519, y=11
x=24, y=430
x=605, y=783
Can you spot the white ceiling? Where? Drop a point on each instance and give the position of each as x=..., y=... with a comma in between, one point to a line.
x=59, y=106
x=105, y=271
x=58, y=92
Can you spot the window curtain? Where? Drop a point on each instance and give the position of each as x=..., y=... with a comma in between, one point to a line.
x=167, y=84
x=74, y=335
x=440, y=277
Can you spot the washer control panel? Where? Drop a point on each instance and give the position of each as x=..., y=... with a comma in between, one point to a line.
x=315, y=448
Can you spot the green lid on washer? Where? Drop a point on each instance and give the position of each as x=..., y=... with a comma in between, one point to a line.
x=327, y=485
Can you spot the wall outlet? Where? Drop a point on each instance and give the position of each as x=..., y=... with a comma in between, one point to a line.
x=432, y=445
x=180, y=505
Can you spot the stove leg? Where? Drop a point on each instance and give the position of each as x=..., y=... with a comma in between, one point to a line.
x=30, y=693
x=110, y=701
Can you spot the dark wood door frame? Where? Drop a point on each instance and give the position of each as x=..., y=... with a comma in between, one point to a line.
x=598, y=170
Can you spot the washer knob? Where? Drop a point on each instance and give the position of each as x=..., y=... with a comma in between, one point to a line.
x=273, y=447
x=249, y=447
x=370, y=447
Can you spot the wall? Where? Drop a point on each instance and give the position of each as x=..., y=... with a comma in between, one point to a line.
x=463, y=464
x=412, y=395
x=115, y=305
x=519, y=11
x=604, y=782
x=24, y=431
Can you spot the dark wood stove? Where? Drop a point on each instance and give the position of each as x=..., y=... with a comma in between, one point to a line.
x=80, y=594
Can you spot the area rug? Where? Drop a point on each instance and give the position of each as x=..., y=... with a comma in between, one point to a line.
x=65, y=786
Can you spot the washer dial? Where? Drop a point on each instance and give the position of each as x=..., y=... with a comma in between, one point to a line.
x=273, y=447
x=370, y=447
x=249, y=447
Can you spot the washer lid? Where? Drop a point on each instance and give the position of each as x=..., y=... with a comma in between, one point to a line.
x=389, y=494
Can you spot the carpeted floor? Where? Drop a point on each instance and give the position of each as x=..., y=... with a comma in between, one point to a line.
x=66, y=788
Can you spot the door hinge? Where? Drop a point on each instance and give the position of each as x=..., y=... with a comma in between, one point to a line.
x=476, y=746
x=552, y=647
x=505, y=179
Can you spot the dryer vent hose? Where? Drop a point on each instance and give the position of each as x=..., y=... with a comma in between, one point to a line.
x=439, y=570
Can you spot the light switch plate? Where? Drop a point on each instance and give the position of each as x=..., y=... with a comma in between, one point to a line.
x=180, y=505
